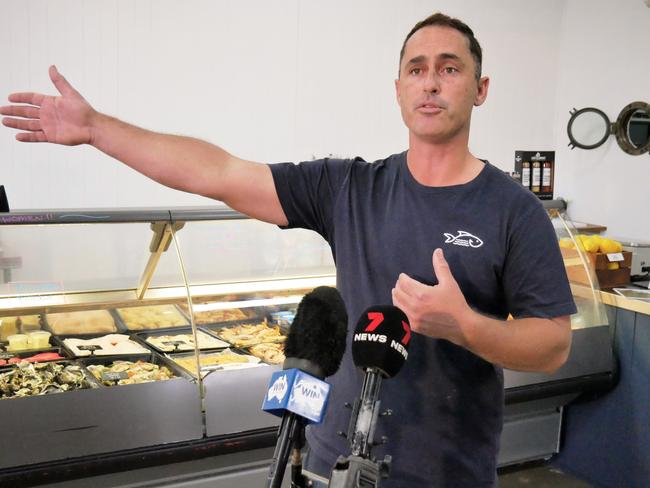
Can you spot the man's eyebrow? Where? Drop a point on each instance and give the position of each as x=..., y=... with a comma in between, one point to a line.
x=417, y=59
x=451, y=56
x=422, y=58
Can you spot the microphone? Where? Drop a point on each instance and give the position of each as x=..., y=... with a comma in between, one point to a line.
x=313, y=349
x=380, y=348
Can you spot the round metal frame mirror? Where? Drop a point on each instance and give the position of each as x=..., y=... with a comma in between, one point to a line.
x=589, y=128
x=632, y=129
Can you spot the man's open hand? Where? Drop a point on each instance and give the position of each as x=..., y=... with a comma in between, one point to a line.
x=66, y=119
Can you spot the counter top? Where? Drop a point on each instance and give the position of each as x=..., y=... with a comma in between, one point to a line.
x=616, y=300
x=610, y=297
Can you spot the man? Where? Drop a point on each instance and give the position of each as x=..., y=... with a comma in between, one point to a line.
x=446, y=237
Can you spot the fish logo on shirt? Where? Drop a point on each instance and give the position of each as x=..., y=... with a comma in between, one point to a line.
x=463, y=239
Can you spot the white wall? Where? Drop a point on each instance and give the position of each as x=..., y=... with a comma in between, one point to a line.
x=289, y=79
x=272, y=81
x=604, y=63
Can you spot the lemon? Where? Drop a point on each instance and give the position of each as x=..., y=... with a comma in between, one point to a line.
x=596, y=238
x=566, y=243
x=608, y=246
x=590, y=245
x=612, y=266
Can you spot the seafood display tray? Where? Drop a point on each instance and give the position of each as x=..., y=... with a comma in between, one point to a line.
x=119, y=327
x=153, y=358
x=27, y=353
x=93, y=383
x=215, y=329
x=227, y=367
x=124, y=326
x=247, y=350
x=251, y=314
x=62, y=338
x=143, y=335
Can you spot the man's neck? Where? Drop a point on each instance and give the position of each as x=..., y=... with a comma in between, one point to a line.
x=446, y=164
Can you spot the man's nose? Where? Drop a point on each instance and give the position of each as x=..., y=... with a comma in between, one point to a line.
x=432, y=82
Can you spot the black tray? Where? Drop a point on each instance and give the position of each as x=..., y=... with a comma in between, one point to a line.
x=125, y=327
x=153, y=358
x=71, y=353
x=142, y=337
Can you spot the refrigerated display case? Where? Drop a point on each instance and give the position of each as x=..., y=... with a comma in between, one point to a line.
x=167, y=279
x=124, y=297
x=535, y=401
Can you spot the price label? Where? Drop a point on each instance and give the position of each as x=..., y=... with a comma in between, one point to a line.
x=615, y=257
x=91, y=348
x=110, y=376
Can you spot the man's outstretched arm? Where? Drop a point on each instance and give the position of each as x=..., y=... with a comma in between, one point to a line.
x=182, y=163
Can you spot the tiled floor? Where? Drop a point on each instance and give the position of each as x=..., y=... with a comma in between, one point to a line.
x=538, y=476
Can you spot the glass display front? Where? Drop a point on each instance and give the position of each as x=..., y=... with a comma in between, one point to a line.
x=581, y=273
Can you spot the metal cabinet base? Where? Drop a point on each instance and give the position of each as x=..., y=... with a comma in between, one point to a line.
x=530, y=436
x=238, y=470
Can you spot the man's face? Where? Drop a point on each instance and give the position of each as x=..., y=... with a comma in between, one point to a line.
x=437, y=87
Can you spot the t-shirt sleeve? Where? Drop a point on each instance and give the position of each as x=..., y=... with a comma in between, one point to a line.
x=308, y=192
x=535, y=281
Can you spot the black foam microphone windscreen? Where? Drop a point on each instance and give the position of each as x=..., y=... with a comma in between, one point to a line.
x=381, y=339
x=318, y=333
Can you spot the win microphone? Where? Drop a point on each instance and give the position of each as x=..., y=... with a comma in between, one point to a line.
x=313, y=349
x=380, y=348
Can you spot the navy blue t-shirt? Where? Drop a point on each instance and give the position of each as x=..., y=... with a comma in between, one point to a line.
x=502, y=250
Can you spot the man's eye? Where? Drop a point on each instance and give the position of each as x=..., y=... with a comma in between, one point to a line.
x=450, y=70
x=415, y=71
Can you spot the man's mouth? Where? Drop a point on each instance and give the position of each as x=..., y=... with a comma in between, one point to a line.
x=429, y=108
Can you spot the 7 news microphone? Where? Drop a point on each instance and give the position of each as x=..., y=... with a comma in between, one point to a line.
x=380, y=348
x=313, y=350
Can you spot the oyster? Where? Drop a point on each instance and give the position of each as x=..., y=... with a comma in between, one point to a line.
x=29, y=379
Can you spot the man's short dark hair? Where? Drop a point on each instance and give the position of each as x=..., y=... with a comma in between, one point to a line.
x=439, y=19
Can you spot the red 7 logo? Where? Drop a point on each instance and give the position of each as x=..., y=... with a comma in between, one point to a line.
x=376, y=318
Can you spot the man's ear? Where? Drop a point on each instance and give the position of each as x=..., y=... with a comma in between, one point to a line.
x=482, y=91
x=397, y=90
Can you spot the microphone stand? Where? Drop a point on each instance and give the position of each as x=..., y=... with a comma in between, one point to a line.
x=291, y=444
x=360, y=469
x=298, y=480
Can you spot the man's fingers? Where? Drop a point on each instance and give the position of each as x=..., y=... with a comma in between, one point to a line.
x=441, y=267
x=61, y=83
x=398, y=300
x=401, y=299
x=31, y=137
x=407, y=284
x=26, y=111
x=27, y=97
x=22, y=124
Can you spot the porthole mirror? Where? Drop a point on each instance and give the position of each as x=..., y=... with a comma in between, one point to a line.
x=589, y=128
